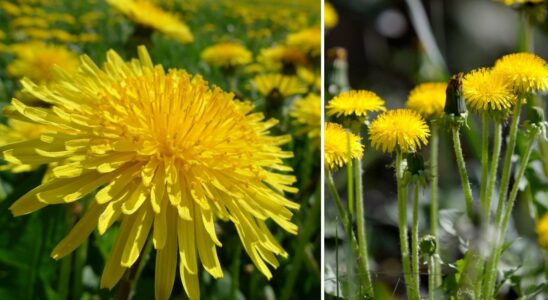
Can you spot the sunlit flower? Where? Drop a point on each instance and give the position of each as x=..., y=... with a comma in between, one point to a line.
x=355, y=103
x=330, y=17
x=167, y=155
x=526, y=71
x=542, y=231
x=307, y=112
x=282, y=57
x=487, y=90
x=148, y=15
x=278, y=85
x=339, y=145
x=308, y=40
x=400, y=129
x=428, y=99
x=227, y=55
x=36, y=61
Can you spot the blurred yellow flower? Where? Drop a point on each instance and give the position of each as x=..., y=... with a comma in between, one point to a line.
x=148, y=15
x=542, y=231
x=512, y=2
x=339, y=145
x=169, y=156
x=428, y=99
x=281, y=57
x=486, y=90
x=278, y=85
x=36, y=61
x=309, y=40
x=309, y=77
x=307, y=112
x=226, y=55
x=526, y=71
x=355, y=103
x=401, y=129
x=330, y=17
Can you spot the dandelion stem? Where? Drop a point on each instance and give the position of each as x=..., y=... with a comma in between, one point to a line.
x=402, y=219
x=235, y=270
x=494, y=166
x=362, y=237
x=415, y=239
x=350, y=187
x=508, y=211
x=431, y=276
x=462, y=171
x=484, y=165
x=434, y=149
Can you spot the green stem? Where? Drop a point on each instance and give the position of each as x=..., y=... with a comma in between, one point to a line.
x=235, y=270
x=362, y=233
x=350, y=188
x=80, y=257
x=304, y=238
x=497, y=141
x=462, y=171
x=508, y=211
x=402, y=219
x=64, y=277
x=431, y=277
x=415, y=239
x=434, y=150
x=484, y=164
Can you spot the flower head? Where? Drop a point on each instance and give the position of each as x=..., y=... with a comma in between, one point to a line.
x=148, y=15
x=339, y=144
x=36, y=61
x=227, y=54
x=280, y=85
x=526, y=72
x=428, y=99
x=355, y=103
x=401, y=129
x=542, y=231
x=166, y=154
x=330, y=15
x=280, y=57
x=307, y=112
x=487, y=90
x=309, y=40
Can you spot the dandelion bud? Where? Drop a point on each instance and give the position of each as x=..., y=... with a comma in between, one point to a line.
x=428, y=245
x=454, y=104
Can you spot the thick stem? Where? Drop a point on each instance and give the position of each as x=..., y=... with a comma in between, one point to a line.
x=484, y=164
x=415, y=239
x=434, y=150
x=501, y=234
x=431, y=277
x=497, y=141
x=412, y=293
x=462, y=171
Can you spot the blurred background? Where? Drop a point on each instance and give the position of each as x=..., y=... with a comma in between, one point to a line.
x=389, y=50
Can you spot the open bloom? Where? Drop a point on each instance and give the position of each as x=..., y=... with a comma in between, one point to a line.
x=487, y=90
x=309, y=40
x=148, y=15
x=339, y=145
x=279, y=57
x=330, y=15
x=227, y=54
x=166, y=154
x=428, y=99
x=278, y=85
x=307, y=112
x=400, y=129
x=525, y=71
x=355, y=103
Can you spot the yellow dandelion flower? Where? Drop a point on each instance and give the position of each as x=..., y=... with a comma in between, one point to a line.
x=330, y=17
x=338, y=144
x=399, y=129
x=278, y=85
x=166, y=154
x=10, y=8
x=355, y=103
x=227, y=54
x=542, y=231
x=307, y=112
x=281, y=57
x=526, y=71
x=517, y=2
x=485, y=89
x=308, y=40
x=35, y=61
x=148, y=15
x=428, y=99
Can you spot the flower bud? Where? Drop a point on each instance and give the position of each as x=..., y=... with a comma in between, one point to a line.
x=454, y=103
x=428, y=245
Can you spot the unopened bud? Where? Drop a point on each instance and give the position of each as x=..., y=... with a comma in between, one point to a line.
x=428, y=245
x=454, y=103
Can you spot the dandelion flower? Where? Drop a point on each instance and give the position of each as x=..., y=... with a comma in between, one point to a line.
x=166, y=154
x=487, y=90
x=308, y=40
x=401, y=129
x=148, y=15
x=428, y=99
x=330, y=15
x=307, y=112
x=282, y=57
x=542, y=231
x=515, y=2
x=355, y=103
x=526, y=71
x=278, y=85
x=227, y=55
x=337, y=142
x=35, y=61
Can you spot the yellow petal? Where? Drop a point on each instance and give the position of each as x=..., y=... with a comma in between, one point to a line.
x=207, y=250
x=158, y=188
x=113, y=269
x=74, y=188
x=135, y=200
x=137, y=236
x=190, y=283
x=160, y=226
x=187, y=245
x=166, y=260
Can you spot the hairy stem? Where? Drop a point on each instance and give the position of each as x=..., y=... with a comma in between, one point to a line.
x=462, y=171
